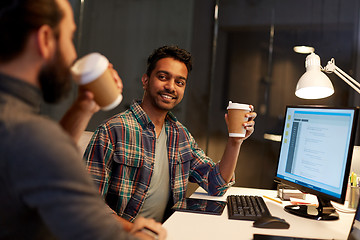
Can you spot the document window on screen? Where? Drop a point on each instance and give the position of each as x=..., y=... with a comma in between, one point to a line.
x=314, y=146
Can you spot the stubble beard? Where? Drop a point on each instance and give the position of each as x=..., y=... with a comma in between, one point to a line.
x=157, y=103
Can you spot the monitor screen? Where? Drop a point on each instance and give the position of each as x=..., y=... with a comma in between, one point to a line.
x=316, y=150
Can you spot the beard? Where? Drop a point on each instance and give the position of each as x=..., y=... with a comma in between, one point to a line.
x=153, y=98
x=55, y=80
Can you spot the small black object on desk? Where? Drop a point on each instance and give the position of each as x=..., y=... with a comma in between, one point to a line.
x=271, y=222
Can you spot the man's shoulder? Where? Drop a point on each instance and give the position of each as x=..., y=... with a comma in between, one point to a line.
x=40, y=136
x=121, y=118
x=43, y=131
x=35, y=125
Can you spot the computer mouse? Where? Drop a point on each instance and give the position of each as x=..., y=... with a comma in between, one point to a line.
x=271, y=222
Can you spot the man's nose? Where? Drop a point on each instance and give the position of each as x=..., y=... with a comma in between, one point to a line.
x=170, y=85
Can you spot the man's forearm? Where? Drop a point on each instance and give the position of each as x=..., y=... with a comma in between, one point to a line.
x=75, y=122
x=229, y=158
x=78, y=116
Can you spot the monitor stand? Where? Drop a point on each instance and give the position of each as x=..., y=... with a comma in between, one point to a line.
x=325, y=211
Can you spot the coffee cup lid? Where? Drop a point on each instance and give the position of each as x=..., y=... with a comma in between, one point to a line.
x=238, y=106
x=89, y=68
x=113, y=104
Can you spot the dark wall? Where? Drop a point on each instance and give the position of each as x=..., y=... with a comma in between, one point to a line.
x=251, y=65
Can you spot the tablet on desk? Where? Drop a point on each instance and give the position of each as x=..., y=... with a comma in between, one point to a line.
x=195, y=205
x=275, y=237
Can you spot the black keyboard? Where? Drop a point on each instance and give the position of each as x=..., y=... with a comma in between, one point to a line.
x=244, y=207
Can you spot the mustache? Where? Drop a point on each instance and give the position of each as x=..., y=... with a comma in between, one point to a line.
x=168, y=93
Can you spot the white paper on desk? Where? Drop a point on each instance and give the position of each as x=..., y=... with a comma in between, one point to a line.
x=291, y=191
x=309, y=200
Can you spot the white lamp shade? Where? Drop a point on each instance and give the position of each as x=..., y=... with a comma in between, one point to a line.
x=313, y=84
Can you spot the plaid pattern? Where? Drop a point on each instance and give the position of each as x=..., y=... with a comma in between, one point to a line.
x=120, y=158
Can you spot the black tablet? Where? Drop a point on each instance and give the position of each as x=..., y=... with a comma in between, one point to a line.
x=200, y=206
x=275, y=237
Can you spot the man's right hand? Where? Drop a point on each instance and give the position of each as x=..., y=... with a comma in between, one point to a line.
x=148, y=229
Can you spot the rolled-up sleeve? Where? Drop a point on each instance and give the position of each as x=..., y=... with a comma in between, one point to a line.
x=207, y=173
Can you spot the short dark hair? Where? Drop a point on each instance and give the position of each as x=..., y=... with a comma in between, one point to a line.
x=18, y=18
x=169, y=52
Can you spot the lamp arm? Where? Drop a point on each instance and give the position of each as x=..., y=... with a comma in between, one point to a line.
x=332, y=68
x=350, y=81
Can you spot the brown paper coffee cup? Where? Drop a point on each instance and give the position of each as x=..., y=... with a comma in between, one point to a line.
x=236, y=117
x=92, y=73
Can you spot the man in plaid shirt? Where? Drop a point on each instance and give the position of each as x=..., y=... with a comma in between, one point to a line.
x=143, y=158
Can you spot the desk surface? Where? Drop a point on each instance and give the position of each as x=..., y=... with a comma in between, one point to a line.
x=184, y=225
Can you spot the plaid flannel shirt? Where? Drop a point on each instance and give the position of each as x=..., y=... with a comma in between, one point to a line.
x=120, y=157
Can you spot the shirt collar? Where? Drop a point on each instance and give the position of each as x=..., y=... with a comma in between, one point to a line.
x=144, y=119
x=26, y=92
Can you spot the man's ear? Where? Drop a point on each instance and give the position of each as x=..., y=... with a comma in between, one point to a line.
x=46, y=42
x=145, y=80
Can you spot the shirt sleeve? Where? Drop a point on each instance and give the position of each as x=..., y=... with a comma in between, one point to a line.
x=207, y=173
x=98, y=158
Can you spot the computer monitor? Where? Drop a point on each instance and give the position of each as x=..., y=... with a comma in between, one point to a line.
x=315, y=156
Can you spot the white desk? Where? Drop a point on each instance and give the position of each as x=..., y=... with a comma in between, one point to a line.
x=184, y=225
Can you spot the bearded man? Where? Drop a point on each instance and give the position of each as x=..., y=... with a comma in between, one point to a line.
x=46, y=192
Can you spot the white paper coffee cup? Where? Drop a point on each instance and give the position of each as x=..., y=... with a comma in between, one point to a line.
x=92, y=73
x=236, y=117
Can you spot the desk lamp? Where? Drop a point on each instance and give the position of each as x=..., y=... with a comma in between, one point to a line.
x=314, y=84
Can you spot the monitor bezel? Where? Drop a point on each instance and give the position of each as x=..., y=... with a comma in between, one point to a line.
x=305, y=189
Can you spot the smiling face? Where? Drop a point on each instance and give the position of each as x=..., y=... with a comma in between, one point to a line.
x=165, y=86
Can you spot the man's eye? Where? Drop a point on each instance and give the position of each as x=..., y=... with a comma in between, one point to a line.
x=162, y=77
x=181, y=83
